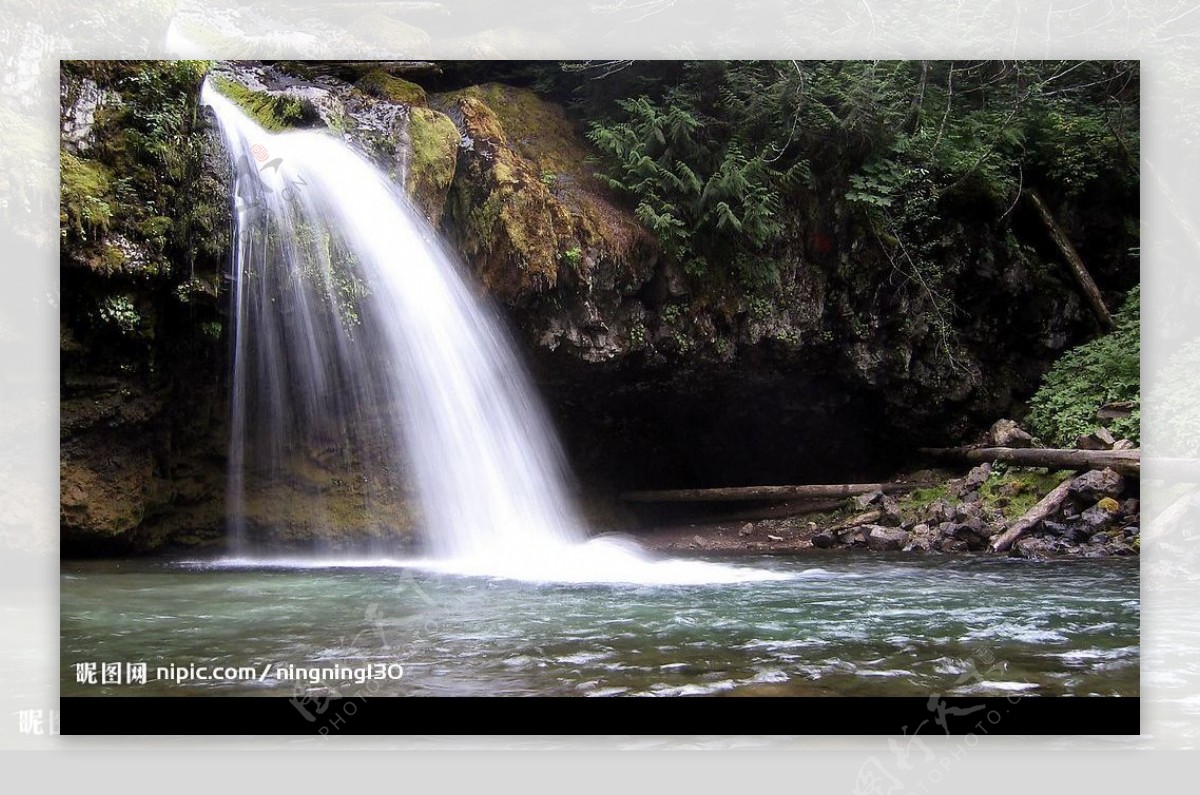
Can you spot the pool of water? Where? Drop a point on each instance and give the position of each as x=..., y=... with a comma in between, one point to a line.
x=833, y=625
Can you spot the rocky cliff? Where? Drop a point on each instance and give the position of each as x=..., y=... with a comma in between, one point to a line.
x=655, y=378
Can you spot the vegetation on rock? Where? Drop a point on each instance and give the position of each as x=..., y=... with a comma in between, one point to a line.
x=1103, y=371
x=831, y=251
x=382, y=85
x=274, y=112
x=434, y=145
x=517, y=228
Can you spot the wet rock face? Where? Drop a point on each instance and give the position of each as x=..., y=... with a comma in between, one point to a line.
x=653, y=378
x=142, y=350
x=648, y=371
x=80, y=100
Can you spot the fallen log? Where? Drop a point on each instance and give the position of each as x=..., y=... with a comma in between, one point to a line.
x=776, y=510
x=1127, y=462
x=1048, y=505
x=1078, y=270
x=742, y=493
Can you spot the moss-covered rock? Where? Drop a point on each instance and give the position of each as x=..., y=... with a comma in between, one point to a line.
x=378, y=83
x=86, y=196
x=433, y=141
x=144, y=235
x=526, y=211
x=272, y=111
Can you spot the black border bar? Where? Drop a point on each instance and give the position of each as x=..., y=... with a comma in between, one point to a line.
x=274, y=715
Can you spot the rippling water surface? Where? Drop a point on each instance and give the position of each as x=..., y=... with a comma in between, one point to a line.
x=833, y=625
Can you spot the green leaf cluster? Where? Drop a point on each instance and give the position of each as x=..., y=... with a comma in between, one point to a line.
x=696, y=161
x=721, y=157
x=1104, y=370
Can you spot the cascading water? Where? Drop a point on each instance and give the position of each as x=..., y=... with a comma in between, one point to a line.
x=356, y=335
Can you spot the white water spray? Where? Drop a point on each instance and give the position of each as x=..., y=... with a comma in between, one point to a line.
x=355, y=332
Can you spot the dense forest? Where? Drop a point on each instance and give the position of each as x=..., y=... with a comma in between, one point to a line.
x=722, y=273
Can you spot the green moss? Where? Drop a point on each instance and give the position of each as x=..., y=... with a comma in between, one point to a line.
x=155, y=229
x=538, y=130
x=573, y=256
x=434, y=141
x=379, y=83
x=110, y=260
x=1015, y=491
x=515, y=229
x=273, y=112
x=913, y=504
x=86, y=196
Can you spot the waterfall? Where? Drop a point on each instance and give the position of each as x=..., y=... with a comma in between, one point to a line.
x=355, y=335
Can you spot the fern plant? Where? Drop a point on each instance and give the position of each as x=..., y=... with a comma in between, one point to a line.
x=713, y=208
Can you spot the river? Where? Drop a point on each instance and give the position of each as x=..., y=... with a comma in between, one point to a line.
x=834, y=624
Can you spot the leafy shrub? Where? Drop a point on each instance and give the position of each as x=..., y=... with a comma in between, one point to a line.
x=118, y=312
x=696, y=162
x=1101, y=371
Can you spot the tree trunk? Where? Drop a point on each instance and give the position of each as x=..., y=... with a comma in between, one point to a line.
x=1048, y=505
x=738, y=493
x=1090, y=290
x=776, y=510
x=1127, y=462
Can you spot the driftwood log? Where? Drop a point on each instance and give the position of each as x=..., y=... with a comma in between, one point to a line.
x=1078, y=270
x=1047, y=506
x=741, y=493
x=1127, y=462
x=778, y=510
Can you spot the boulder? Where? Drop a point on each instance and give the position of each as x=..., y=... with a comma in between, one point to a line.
x=1037, y=548
x=1124, y=444
x=1091, y=486
x=884, y=539
x=854, y=536
x=1055, y=528
x=1099, y=439
x=824, y=540
x=1096, y=518
x=868, y=499
x=967, y=511
x=747, y=529
x=969, y=533
x=890, y=516
x=939, y=511
x=977, y=476
x=921, y=539
x=1006, y=433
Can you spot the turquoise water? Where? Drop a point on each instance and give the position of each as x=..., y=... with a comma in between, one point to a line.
x=833, y=625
